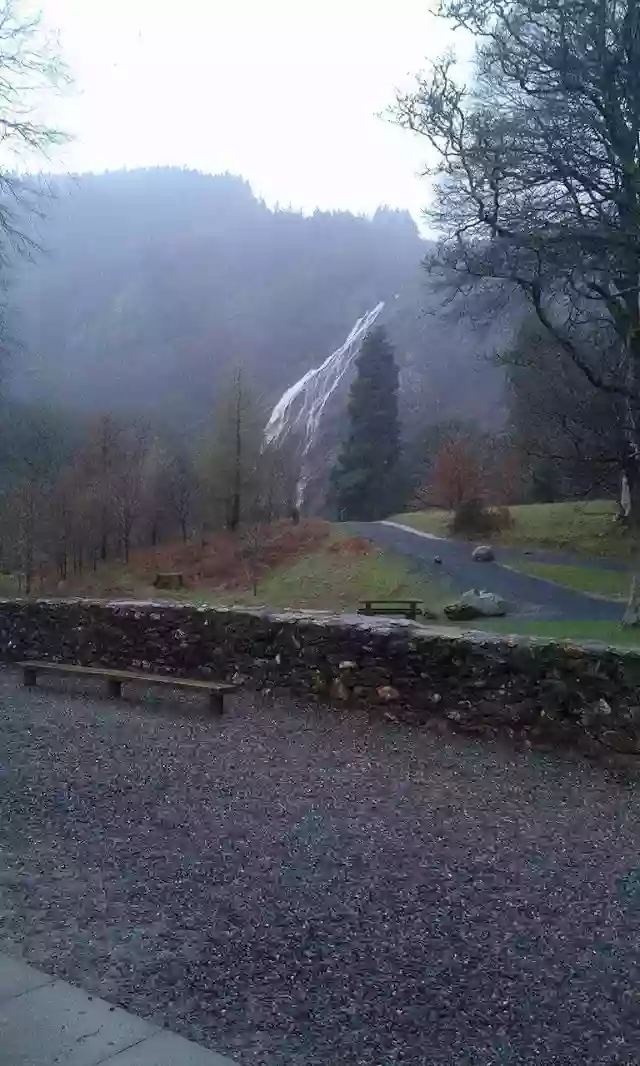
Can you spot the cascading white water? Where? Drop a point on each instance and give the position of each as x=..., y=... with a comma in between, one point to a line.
x=300, y=409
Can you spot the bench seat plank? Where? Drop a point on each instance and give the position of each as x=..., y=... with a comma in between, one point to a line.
x=404, y=607
x=126, y=675
x=116, y=678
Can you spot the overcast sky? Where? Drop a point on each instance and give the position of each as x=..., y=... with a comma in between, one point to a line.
x=284, y=92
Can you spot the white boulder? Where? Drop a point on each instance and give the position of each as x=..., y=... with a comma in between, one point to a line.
x=488, y=604
x=476, y=604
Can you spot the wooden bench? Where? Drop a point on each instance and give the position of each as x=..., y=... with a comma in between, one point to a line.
x=216, y=690
x=406, y=608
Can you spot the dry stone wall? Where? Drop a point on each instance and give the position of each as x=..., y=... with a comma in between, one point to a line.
x=477, y=682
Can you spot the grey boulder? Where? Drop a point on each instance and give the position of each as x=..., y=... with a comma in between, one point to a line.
x=483, y=554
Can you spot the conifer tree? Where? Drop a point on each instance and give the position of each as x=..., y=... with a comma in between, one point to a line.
x=365, y=483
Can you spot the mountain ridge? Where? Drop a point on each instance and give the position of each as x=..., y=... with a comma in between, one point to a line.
x=155, y=284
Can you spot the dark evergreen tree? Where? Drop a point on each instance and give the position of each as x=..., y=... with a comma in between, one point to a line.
x=366, y=481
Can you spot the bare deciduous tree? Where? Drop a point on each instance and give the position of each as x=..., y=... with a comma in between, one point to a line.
x=539, y=179
x=457, y=476
x=231, y=465
x=31, y=69
x=128, y=483
x=252, y=543
x=180, y=489
x=571, y=434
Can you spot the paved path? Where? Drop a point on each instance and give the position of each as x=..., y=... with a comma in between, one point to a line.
x=304, y=886
x=529, y=596
x=45, y=1022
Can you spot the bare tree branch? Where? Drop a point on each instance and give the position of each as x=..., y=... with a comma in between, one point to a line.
x=538, y=178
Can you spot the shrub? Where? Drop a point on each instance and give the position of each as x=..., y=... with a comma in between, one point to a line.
x=472, y=518
x=457, y=476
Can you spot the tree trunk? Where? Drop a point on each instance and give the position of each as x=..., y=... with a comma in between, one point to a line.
x=631, y=615
x=233, y=520
x=28, y=572
x=630, y=497
x=29, y=537
x=235, y=511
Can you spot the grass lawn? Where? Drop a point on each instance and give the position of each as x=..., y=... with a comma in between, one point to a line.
x=431, y=521
x=606, y=632
x=335, y=580
x=313, y=565
x=612, y=584
x=583, y=527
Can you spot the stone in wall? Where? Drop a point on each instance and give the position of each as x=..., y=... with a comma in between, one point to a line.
x=476, y=681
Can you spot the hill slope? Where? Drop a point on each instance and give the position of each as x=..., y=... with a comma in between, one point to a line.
x=155, y=283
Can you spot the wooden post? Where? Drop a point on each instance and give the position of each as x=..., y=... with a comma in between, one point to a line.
x=216, y=703
x=30, y=676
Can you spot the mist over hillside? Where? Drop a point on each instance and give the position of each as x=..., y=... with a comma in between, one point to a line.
x=155, y=284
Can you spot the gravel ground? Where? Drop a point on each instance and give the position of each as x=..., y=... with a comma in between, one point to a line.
x=303, y=886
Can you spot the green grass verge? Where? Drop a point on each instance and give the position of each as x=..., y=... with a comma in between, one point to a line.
x=431, y=521
x=329, y=580
x=606, y=632
x=586, y=527
x=583, y=527
x=612, y=584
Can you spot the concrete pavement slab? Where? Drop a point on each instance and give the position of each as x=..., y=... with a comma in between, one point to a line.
x=46, y=1022
x=16, y=978
x=168, y=1049
x=58, y=1024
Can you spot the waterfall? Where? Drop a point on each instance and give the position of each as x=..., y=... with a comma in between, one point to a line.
x=299, y=410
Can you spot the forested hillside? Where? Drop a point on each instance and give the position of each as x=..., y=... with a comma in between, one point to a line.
x=155, y=284
x=165, y=314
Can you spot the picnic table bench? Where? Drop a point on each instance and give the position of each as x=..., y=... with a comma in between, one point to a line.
x=405, y=608
x=216, y=690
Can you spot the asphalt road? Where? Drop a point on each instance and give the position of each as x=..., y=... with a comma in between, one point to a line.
x=528, y=596
x=304, y=886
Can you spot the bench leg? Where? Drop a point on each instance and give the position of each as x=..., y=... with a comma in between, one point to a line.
x=114, y=689
x=216, y=705
x=30, y=676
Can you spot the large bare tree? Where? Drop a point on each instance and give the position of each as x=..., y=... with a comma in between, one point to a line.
x=31, y=69
x=538, y=167
x=571, y=434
